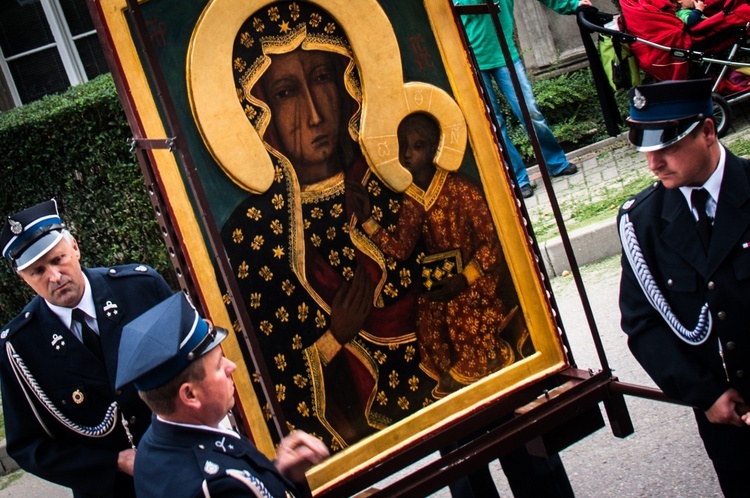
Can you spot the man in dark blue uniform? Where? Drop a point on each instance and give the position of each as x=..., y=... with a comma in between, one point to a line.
x=64, y=419
x=171, y=356
x=685, y=289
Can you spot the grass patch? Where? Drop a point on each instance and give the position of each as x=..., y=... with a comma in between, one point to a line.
x=740, y=147
x=614, y=199
x=583, y=213
x=580, y=214
x=9, y=479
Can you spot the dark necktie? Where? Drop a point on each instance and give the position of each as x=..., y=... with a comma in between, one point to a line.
x=90, y=338
x=699, y=197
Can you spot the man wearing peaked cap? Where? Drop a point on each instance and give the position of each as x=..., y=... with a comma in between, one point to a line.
x=63, y=416
x=685, y=288
x=170, y=353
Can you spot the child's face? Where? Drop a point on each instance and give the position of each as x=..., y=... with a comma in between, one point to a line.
x=414, y=151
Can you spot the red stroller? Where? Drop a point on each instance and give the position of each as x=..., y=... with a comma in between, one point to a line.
x=666, y=49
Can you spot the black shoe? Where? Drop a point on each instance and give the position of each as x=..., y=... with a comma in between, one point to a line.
x=526, y=191
x=570, y=169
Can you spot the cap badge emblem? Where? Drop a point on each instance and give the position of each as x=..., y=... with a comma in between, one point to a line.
x=210, y=467
x=639, y=101
x=140, y=268
x=77, y=397
x=16, y=227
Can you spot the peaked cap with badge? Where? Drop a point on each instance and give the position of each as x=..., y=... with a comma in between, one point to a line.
x=63, y=415
x=30, y=234
x=663, y=113
x=162, y=342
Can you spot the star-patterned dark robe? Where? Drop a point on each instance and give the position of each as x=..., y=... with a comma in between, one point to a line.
x=291, y=250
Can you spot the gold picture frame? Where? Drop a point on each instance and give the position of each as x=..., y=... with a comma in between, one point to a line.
x=399, y=58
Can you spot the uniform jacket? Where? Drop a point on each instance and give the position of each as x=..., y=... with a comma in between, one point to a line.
x=75, y=388
x=191, y=461
x=689, y=277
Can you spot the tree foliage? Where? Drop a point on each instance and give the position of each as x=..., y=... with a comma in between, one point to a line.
x=571, y=108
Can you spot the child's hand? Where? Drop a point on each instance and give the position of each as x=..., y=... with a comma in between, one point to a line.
x=448, y=288
x=699, y=5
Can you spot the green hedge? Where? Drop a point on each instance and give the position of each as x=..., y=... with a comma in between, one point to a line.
x=73, y=147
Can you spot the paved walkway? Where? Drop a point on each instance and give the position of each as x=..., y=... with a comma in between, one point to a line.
x=605, y=169
x=607, y=166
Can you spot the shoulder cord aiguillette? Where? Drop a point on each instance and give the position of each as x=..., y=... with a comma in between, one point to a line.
x=632, y=251
x=29, y=383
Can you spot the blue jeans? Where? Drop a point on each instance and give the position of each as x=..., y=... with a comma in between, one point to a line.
x=553, y=154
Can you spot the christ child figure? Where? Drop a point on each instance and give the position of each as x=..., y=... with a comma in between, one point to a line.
x=460, y=317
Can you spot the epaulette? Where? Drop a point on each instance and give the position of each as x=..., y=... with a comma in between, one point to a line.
x=638, y=198
x=16, y=324
x=129, y=271
x=209, y=466
x=209, y=457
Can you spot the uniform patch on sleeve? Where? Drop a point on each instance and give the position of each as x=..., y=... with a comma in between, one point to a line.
x=210, y=467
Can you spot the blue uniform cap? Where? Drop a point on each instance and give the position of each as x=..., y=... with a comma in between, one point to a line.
x=30, y=234
x=663, y=113
x=162, y=342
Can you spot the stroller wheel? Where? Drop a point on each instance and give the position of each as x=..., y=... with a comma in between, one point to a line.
x=722, y=114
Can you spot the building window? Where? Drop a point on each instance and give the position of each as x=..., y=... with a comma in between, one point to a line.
x=47, y=46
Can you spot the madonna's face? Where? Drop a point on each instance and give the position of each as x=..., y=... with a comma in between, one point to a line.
x=301, y=90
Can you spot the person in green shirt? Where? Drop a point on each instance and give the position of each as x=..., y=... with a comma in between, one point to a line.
x=480, y=31
x=690, y=11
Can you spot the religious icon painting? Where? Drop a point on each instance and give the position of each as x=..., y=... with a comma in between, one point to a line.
x=381, y=281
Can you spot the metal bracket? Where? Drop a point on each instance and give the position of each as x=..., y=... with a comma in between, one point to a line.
x=151, y=143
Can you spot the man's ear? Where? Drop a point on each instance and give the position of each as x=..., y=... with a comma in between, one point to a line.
x=76, y=250
x=708, y=129
x=188, y=396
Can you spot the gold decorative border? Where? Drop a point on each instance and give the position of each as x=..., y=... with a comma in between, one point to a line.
x=183, y=217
